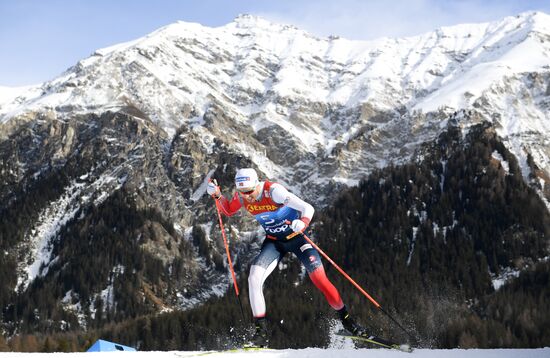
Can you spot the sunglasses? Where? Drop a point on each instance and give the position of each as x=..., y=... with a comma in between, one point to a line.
x=248, y=192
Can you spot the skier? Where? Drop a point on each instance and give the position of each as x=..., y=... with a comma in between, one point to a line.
x=284, y=217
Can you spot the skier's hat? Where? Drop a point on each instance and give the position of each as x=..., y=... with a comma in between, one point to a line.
x=246, y=179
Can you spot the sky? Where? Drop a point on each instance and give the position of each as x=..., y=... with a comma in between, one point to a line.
x=39, y=39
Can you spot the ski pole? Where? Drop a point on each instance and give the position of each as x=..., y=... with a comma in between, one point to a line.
x=376, y=304
x=225, y=242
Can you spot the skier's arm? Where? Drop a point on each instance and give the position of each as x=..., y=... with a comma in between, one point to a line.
x=227, y=207
x=282, y=196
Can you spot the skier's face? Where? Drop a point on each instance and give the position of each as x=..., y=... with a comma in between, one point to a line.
x=250, y=194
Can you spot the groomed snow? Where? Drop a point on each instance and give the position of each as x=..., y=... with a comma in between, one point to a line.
x=309, y=353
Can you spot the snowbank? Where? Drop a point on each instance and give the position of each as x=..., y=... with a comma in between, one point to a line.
x=308, y=353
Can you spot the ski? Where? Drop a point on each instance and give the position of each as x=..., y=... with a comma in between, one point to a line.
x=247, y=347
x=377, y=341
x=231, y=350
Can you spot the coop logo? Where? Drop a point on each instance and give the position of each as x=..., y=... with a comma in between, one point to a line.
x=277, y=229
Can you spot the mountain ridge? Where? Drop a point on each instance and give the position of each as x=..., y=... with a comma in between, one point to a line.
x=193, y=68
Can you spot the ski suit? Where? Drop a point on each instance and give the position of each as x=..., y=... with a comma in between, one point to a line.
x=274, y=209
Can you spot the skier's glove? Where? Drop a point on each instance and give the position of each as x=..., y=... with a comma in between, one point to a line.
x=299, y=225
x=213, y=189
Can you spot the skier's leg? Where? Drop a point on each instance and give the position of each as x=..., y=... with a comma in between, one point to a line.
x=262, y=266
x=321, y=281
x=312, y=262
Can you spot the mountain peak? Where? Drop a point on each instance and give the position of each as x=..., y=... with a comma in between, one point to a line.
x=255, y=22
x=537, y=15
x=249, y=19
x=539, y=19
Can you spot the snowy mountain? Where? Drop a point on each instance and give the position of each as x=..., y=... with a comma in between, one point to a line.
x=139, y=127
x=328, y=98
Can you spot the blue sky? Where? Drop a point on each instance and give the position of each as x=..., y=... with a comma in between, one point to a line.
x=39, y=39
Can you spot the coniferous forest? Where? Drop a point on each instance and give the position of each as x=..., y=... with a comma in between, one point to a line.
x=426, y=239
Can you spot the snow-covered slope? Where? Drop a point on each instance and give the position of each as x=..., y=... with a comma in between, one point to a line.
x=310, y=353
x=322, y=92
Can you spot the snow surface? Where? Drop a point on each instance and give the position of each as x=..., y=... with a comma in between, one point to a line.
x=507, y=274
x=308, y=353
x=503, y=162
x=50, y=221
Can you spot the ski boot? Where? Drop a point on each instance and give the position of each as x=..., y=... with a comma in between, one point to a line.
x=360, y=336
x=350, y=325
x=260, y=337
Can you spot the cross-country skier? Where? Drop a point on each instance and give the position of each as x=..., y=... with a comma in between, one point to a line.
x=284, y=217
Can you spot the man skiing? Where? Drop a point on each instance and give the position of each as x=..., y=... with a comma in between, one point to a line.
x=284, y=217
